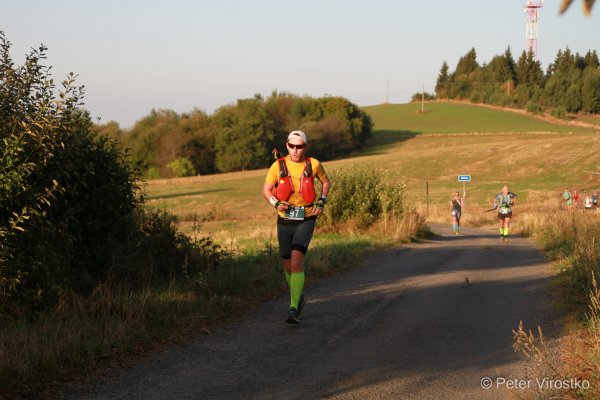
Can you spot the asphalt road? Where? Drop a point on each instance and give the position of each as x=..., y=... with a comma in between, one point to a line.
x=425, y=321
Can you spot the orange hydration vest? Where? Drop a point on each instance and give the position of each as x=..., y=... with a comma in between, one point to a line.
x=284, y=187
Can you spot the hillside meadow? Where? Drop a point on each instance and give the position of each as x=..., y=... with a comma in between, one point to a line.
x=538, y=159
x=460, y=117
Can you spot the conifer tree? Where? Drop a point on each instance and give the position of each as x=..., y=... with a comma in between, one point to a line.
x=441, y=85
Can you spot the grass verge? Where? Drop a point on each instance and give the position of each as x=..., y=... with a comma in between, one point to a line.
x=572, y=239
x=82, y=337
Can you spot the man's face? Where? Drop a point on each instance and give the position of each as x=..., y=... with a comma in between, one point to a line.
x=505, y=190
x=296, y=148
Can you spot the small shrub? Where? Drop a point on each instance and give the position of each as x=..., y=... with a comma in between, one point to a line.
x=419, y=96
x=152, y=173
x=182, y=167
x=364, y=196
x=476, y=97
x=558, y=112
x=501, y=99
x=534, y=107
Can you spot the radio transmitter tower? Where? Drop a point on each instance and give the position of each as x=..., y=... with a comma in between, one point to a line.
x=532, y=12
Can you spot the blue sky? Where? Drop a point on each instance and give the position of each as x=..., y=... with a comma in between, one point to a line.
x=134, y=56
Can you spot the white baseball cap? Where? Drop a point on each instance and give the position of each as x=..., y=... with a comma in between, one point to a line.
x=297, y=134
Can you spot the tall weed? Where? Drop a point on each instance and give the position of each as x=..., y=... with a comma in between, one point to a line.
x=572, y=238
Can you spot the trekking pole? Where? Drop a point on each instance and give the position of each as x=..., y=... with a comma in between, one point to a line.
x=276, y=153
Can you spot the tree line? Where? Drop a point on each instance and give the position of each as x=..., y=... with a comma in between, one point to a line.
x=240, y=136
x=570, y=84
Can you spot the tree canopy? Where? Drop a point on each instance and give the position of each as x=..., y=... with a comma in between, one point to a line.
x=241, y=136
x=569, y=85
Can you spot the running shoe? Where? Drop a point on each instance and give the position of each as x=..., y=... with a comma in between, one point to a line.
x=293, y=317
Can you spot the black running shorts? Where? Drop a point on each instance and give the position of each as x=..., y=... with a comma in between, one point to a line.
x=294, y=235
x=504, y=216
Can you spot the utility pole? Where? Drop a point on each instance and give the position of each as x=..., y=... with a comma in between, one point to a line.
x=427, y=196
x=387, y=96
x=423, y=100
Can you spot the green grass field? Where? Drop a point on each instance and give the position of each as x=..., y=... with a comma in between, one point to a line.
x=450, y=117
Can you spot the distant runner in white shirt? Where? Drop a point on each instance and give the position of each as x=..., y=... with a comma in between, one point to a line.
x=504, y=202
x=588, y=203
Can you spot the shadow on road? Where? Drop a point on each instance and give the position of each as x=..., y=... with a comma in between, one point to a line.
x=425, y=321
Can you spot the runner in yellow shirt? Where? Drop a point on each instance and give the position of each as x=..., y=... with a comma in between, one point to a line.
x=289, y=187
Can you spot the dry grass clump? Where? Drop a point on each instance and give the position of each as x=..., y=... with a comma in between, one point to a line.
x=573, y=238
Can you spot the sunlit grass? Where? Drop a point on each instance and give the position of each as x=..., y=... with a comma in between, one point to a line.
x=451, y=117
x=572, y=239
x=537, y=167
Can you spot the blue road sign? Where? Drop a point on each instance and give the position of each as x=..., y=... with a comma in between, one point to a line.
x=464, y=178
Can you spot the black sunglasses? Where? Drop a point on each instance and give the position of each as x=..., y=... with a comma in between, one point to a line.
x=296, y=146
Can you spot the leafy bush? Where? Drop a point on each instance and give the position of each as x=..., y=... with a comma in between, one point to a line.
x=476, y=97
x=558, y=112
x=534, y=107
x=152, y=173
x=419, y=96
x=182, y=167
x=159, y=252
x=501, y=99
x=66, y=190
x=71, y=215
x=364, y=196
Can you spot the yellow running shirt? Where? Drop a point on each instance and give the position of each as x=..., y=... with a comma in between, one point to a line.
x=296, y=169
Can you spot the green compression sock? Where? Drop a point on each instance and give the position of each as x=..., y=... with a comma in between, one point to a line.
x=296, y=288
x=288, y=278
x=454, y=227
x=501, y=231
x=505, y=231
